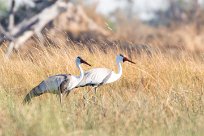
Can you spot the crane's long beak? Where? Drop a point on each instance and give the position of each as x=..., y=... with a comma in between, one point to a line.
x=83, y=61
x=126, y=59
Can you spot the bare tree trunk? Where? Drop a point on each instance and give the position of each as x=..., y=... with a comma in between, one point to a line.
x=25, y=30
x=20, y=33
x=11, y=16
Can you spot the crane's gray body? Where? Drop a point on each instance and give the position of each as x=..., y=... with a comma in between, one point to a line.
x=95, y=77
x=53, y=84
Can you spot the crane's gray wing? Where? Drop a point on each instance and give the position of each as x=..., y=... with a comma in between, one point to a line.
x=106, y=78
x=51, y=85
x=95, y=77
x=65, y=84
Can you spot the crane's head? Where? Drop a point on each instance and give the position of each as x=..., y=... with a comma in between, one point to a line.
x=121, y=58
x=79, y=60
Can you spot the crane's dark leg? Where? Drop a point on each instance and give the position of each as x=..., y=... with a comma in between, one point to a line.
x=95, y=90
x=95, y=95
x=84, y=96
x=61, y=98
x=68, y=92
x=61, y=92
x=60, y=95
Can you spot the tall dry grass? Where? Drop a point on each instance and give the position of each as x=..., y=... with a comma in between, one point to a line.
x=159, y=95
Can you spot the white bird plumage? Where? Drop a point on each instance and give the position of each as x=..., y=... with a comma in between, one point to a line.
x=99, y=76
x=58, y=84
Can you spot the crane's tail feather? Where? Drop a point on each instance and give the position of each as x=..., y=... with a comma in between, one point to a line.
x=27, y=98
x=33, y=93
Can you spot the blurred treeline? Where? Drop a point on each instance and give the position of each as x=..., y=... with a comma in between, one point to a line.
x=179, y=27
x=177, y=11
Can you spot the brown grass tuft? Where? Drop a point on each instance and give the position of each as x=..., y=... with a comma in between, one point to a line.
x=160, y=95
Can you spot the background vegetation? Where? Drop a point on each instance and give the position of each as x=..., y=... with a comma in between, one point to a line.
x=163, y=94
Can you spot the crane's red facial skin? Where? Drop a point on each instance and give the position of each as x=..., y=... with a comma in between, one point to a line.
x=83, y=61
x=126, y=59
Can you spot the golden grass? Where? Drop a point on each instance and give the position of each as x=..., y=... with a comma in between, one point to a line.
x=157, y=96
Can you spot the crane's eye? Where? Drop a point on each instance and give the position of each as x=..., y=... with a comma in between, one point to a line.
x=79, y=57
x=121, y=55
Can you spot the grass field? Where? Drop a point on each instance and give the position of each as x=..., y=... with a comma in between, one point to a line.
x=160, y=95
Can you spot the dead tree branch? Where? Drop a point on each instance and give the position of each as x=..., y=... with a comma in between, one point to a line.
x=11, y=16
x=19, y=34
x=26, y=29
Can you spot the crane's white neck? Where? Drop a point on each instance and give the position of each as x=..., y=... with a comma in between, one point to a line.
x=120, y=70
x=115, y=76
x=77, y=79
x=81, y=76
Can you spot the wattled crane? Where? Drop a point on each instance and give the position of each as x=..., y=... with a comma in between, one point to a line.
x=58, y=84
x=100, y=76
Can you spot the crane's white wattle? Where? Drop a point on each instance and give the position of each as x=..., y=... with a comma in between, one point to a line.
x=77, y=79
x=119, y=59
x=115, y=76
x=78, y=61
